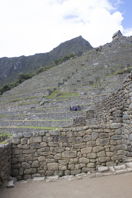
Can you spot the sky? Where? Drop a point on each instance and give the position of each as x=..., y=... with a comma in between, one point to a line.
x=37, y=26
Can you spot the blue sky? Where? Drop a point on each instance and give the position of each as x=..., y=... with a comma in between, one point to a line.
x=37, y=26
x=126, y=8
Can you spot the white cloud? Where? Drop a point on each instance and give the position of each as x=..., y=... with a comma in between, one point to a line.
x=128, y=32
x=33, y=26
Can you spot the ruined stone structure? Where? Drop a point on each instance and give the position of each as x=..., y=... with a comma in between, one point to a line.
x=117, y=35
x=77, y=149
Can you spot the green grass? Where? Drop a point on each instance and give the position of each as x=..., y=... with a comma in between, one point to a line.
x=59, y=94
x=53, y=95
x=27, y=103
x=16, y=100
x=120, y=71
x=26, y=98
x=96, y=85
x=4, y=142
x=69, y=94
x=2, y=116
x=3, y=137
x=123, y=71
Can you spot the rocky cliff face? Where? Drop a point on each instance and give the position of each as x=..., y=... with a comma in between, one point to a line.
x=10, y=68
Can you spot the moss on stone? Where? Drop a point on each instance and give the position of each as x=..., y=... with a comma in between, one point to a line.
x=3, y=137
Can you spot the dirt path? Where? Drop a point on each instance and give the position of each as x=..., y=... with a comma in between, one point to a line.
x=102, y=187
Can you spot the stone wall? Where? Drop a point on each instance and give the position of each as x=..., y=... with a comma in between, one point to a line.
x=112, y=109
x=68, y=151
x=127, y=120
x=5, y=163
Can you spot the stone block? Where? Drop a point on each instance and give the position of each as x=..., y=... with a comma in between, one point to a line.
x=10, y=184
x=109, y=154
x=86, y=150
x=103, y=135
x=43, y=144
x=16, y=140
x=91, y=165
x=103, y=142
x=62, y=167
x=83, y=160
x=129, y=165
x=120, y=167
x=28, y=171
x=25, y=165
x=92, y=155
x=130, y=137
x=87, y=138
x=71, y=166
x=79, y=166
x=103, y=169
x=111, y=168
x=103, y=159
x=58, y=156
x=38, y=178
x=63, y=162
x=95, y=135
x=101, y=154
x=75, y=172
x=35, y=139
x=35, y=164
x=24, y=141
x=116, y=137
x=41, y=158
x=98, y=149
x=53, y=166
x=69, y=154
x=122, y=171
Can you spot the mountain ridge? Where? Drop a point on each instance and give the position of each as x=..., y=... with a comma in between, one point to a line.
x=10, y=68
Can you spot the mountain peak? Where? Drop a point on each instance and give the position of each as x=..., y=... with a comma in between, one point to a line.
x=77, y=45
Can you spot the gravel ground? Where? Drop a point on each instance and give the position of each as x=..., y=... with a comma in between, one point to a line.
x=101, y=187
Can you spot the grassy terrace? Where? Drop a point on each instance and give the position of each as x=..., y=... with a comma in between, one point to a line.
x=26, y=98
x=29, y=127
x=36, y=113
x=21, y=94
x=36, y=120
x=58, y=107
x=59, y=94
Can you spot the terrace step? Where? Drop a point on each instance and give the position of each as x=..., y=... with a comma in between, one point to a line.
x=41, y=116
x=37, y=123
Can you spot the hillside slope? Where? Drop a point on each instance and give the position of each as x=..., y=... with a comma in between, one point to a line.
x=10, y=68
x=45, y=100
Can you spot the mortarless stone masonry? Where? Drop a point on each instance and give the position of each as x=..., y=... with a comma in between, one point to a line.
x=5, y=163
x=69, y=151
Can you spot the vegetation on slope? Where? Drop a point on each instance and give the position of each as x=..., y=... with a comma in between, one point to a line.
x=23, y=77
x=10, y=68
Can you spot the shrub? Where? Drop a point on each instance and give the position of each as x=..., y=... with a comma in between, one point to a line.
x=63, y=59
